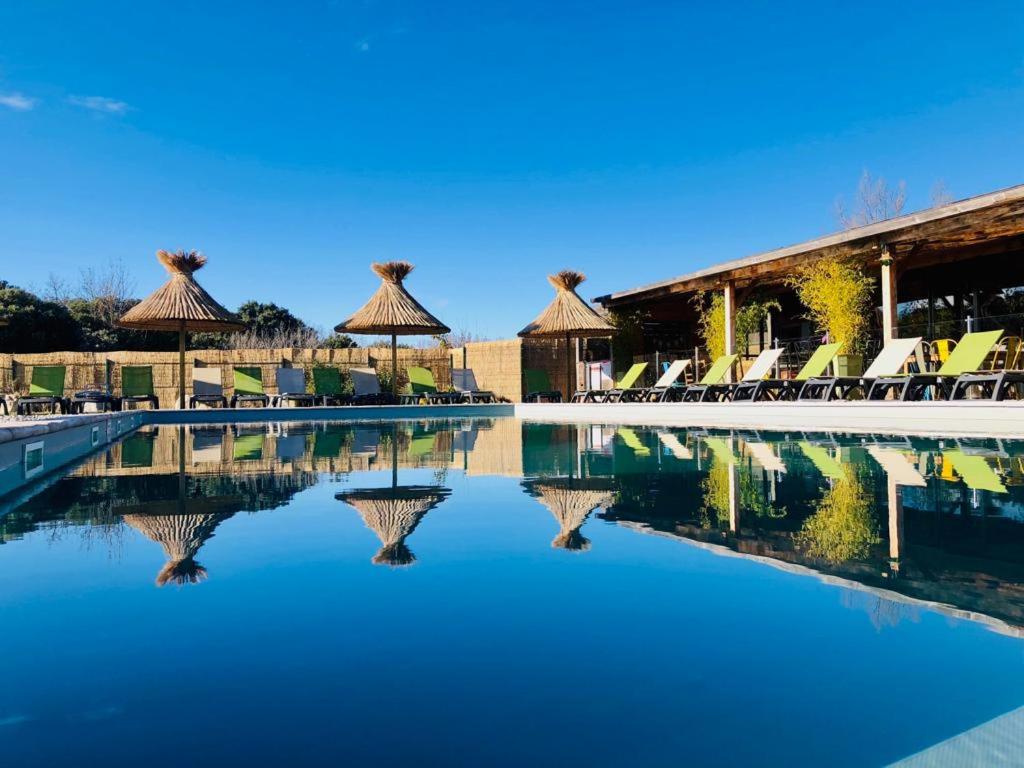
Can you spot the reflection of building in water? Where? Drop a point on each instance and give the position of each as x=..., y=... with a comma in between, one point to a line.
x=905, y=534
x=393, y=514
x=570, y=502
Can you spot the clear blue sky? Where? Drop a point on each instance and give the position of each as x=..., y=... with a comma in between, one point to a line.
x=487, y=143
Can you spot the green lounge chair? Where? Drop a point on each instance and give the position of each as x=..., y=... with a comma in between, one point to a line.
x=788, y=389
x=714, y=376
x=616, y=393
x=422, y=387
x=249, y=387
x=668, y=381
x=965, y=360
x=137, y=385
x=328, y=387
x=538, y=387
x=291, y=388
x=888, y=363
x=327, y=442
x=46, y=389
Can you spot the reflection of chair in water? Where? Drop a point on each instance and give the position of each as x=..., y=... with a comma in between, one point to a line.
x=137, y=449
x=207, y=445
x=327, y=442
x=571, y=503
x=181, y=536
x=291, y=446
x=676, y=448
x=248, y=444
x=393, y=514
x=974, y=471
x=823, y=460
x=633, y=442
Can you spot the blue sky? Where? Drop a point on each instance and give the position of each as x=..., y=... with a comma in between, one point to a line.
x=487, y=143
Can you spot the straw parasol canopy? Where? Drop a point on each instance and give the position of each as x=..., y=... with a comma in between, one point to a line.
x=571, y=505
x=567, y=317
x=181, y=305
x=392, y=310
x=181, y=537
x=393, y=514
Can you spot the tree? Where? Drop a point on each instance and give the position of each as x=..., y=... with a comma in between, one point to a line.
x=941, y=194
x=34, y=324
x=873, y=201
x=338, y=341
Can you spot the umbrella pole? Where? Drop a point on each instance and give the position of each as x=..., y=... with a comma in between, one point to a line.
x=394, y=365
x=569, y=388
x=181, y=365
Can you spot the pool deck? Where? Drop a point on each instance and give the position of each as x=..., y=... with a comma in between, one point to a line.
x=972, y=418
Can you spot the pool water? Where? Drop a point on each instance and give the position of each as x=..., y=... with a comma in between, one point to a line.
x=493, y=592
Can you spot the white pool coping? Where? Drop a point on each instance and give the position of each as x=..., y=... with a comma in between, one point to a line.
x=971, y=418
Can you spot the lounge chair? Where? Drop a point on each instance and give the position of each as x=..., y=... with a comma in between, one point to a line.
x=422, y=387
x=759, y=368
x=46, y=388
x=249, y=387
x=137, y=386
x=994, y=384
x=291, y=388
x=788, y=389
x=668, y=381
x=538, y=387
x=207, y=388
x=366, y=388
x=207, y=445
x=101, y=398
x=464, y=382
x=975, y=471
x=712, y=379
x=967, y=358
x=328, y=388
x=888, y=363
x=614, y=395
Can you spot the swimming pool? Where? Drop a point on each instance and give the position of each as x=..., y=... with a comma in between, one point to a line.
x=499, y=592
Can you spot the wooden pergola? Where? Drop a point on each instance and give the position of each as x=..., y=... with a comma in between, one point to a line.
x=901, y=249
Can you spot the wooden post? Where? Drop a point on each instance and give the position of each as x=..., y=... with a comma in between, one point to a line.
x=734, y=492
x=889, y=299
x=181, y=365
x=394, y=365
x=729, y=294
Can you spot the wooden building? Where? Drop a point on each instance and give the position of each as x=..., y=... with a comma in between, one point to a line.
x=939, y=272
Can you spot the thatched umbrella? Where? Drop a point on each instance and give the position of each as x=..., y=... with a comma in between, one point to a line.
x=567, y=316
x=180, y=305
x=571, y=502
x=392, y=310
x=393, y=514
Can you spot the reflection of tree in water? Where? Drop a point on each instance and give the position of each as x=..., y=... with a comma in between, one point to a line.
x=843, y=527
x=715, y=487
x=92, y=506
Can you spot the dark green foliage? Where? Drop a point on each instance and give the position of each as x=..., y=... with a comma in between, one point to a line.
x=33, y=324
